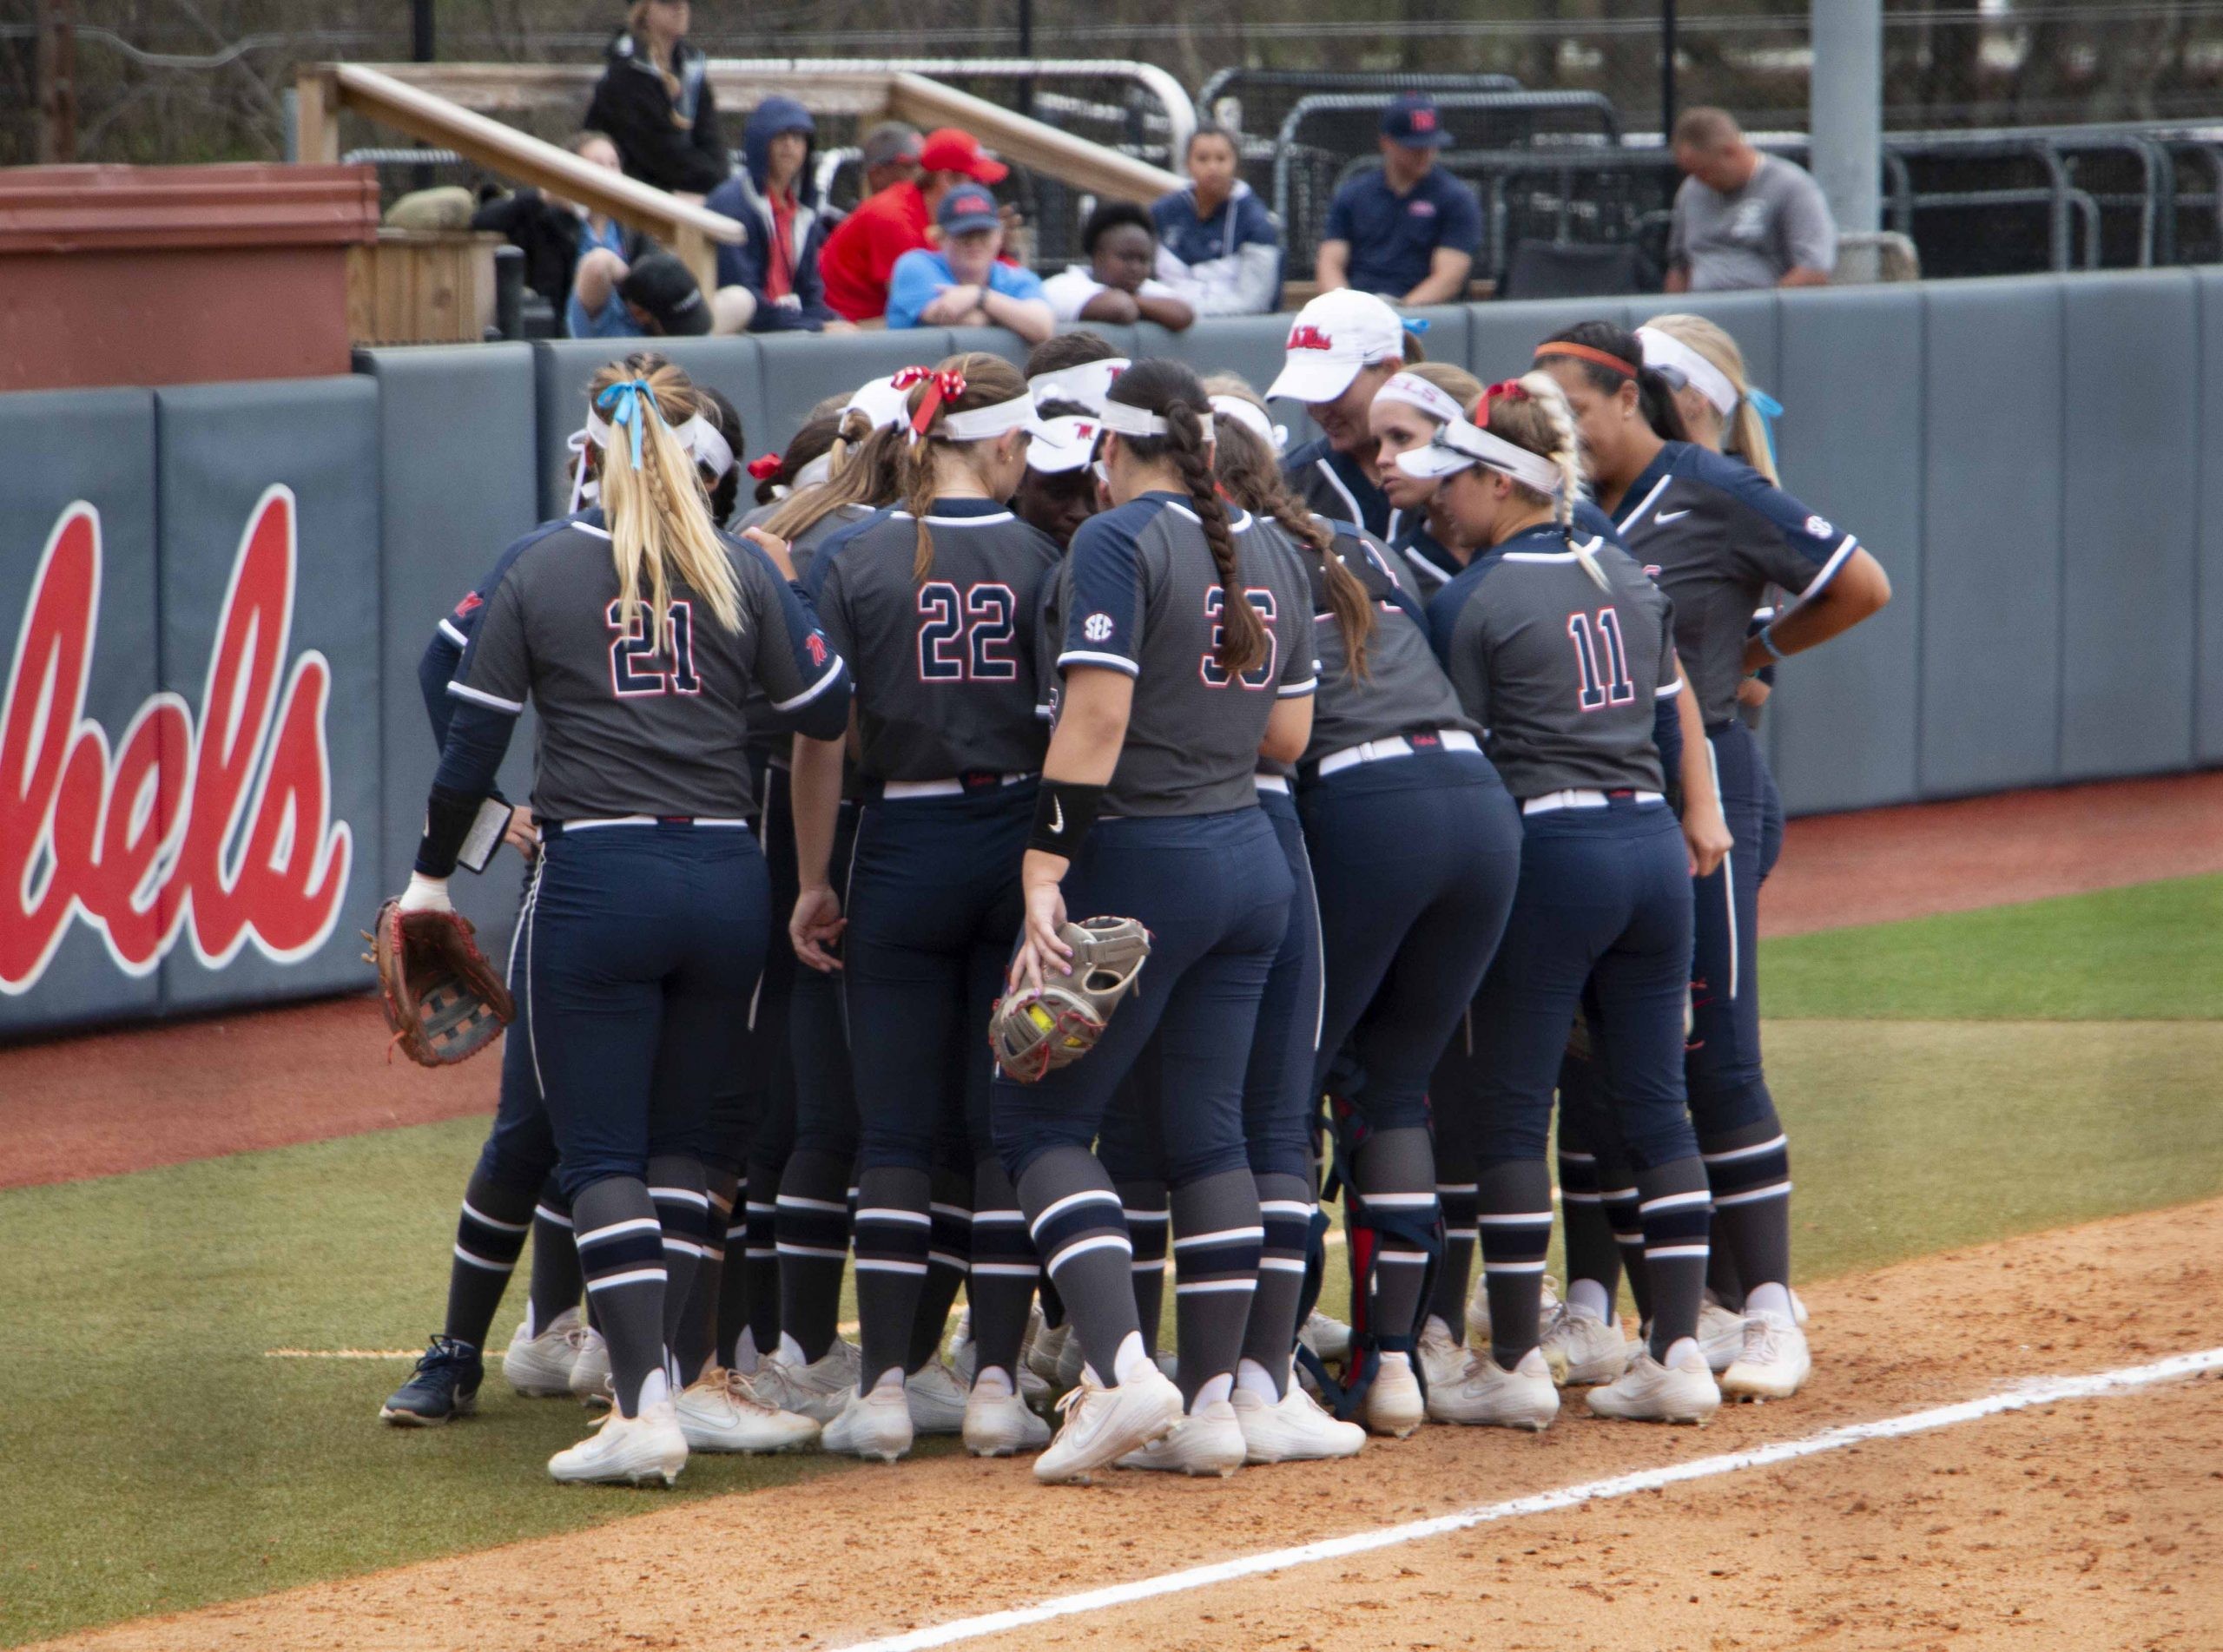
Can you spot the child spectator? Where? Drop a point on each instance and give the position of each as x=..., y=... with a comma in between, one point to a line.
x=1217, y=248
x=770, y=282
x=1405, y=229
x=654, y=100
x=964, y=285
x=1116, y=284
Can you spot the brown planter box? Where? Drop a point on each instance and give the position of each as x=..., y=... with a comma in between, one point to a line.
x=167, y=275
x=414, y=287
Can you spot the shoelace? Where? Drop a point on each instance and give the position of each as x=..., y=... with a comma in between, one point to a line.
x=1759, y=1339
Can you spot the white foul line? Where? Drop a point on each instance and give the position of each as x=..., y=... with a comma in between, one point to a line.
x=2042, y=1390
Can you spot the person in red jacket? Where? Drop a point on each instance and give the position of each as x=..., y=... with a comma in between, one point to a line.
x=859, y=254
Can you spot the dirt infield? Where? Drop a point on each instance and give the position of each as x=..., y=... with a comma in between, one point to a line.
x=2096, y=1523
x=105, y=1103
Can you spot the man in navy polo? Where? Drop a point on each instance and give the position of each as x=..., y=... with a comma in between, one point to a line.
x=1407, y=230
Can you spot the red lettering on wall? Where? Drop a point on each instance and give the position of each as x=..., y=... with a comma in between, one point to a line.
x=217, y=827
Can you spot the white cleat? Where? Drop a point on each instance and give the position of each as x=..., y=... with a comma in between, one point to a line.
x=1209, y=1440
x=1478, y=1307
x=1583, y=1350
x=1044, y=1353
x=818, y=1391
x=876, y=1425
x=1774, y=1360
x=1002, y=1425
x=938, y=1399
x=1442, y=1358
x=539, y=1367
x=1799, y=1309
x=589, y=1378
x=964, y=1354
x=1650, y=1392
x=1327, y=1336
x=717, y=1413
x=1488, y=1394
x=1103, y=1425
x=1394, y=1406
x=632, y=1450
x=1721, y=1334
x=1296, y=1430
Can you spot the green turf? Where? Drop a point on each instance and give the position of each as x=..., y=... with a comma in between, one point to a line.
x=2153, y=952
x=160, y=1460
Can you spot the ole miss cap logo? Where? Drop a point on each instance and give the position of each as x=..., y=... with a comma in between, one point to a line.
x=815, y=645
x=1420, y=120
x=1305, y=336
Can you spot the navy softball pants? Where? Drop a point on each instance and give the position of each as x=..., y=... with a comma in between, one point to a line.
x=1416, y=860
x=1728, y=1089
x=933, y=911
x=520, y=1147
x=1214, y=892
x=1604, y=898
x=641, y=949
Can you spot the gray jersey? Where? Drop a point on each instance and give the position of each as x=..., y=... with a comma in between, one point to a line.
x=1404, y=690
x=944, y=667
x=633, y=723
x=1715, y=535
x=1565, y=678
x=1139, y=594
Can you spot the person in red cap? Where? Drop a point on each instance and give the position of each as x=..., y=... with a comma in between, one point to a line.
x=861, y=254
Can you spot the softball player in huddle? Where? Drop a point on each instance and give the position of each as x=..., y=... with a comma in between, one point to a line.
x=1717, y=535
x=1560, y=645
x=934, y=600
x=1186, y=653
x=635, y=632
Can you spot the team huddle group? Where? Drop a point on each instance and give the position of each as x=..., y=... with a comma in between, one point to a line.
x=1419, y=753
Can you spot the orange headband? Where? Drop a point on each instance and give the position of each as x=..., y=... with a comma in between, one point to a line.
x=1605, y=358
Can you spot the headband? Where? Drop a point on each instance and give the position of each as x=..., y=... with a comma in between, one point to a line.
x=982, y=424
x=705, y=442
x=1086, y=384
x=584, y=489
x=1494, y=452
x=1061, y=445
x=1415, y=391
x=1252, y=417
x=1131, y=421
x=1665, y=353
x=819, y=470
x=1605, y=358
x=880, y=402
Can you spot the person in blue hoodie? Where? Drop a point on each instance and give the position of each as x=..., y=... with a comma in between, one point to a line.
x=1217, y=248
x=770, y=282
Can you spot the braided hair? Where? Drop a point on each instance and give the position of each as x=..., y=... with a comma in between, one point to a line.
x=1532, y=412
x=1171, y=389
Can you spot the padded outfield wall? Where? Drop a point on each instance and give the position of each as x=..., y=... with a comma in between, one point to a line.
x=213, y=748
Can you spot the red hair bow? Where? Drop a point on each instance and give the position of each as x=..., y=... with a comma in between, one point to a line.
x=766, y=468
x=1505, y=389
x=942, y=385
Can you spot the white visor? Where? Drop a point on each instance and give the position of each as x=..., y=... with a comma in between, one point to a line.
x=1459, y=444
x=1131, y=421
x=814, y=473
x=709, y=445
x=1061, y=445
x=1247, y=414
x=1680, y=365
x=983, y=424
x=880, y=403
x=1415, y=391
x=1087, y=383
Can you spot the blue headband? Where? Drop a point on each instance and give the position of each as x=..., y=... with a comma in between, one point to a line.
x=623, y=402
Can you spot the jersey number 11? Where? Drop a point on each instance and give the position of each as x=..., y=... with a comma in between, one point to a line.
x=1601, y=660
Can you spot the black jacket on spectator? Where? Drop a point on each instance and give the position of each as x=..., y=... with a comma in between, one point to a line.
x=669, y=139
x=547, y=234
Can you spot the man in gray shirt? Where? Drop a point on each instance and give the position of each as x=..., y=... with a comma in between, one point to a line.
x=1743, y=219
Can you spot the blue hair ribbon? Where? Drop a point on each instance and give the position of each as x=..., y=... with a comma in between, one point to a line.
x=1414, y=325
x=1770, y=410
x=623, y=403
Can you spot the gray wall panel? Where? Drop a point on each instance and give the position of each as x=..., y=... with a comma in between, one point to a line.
x=223, y=450
x=2127, y=525
x=63, y=447
x=799, y=368
x=2207, y=572
x=1501, y=339
x=1845, y=720
x=1991, y=490
x=456, y=430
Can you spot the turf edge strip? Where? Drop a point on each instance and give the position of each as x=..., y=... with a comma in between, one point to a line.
x=2041, y=1391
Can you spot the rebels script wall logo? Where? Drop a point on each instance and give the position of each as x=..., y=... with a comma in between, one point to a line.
x=215, y=826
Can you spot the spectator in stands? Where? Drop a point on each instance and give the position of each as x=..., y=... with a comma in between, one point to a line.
x=1217, y=248
x=965, y=284
x=1406, y=229
x=861, y=255
x=1743, y=219
x=1343, y=347
x=1116, y=284
x=654, y=100
x=555, y=235
x=770, y=282
x=890, y=155
x=658, y=296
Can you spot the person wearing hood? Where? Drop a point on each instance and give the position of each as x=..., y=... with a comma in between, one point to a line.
x=770, y=282
x=1217, y=248
x=654, y=100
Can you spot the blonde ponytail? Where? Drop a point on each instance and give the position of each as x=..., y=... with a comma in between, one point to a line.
x=1744, y=433
x=652, y=497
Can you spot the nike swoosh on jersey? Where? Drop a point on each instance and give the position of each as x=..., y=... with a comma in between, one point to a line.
x=1672, y=515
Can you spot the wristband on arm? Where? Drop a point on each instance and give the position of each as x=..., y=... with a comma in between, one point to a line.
x=1064, y=810
x=1767, y=642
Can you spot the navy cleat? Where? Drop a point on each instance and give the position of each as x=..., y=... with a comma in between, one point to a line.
x=444, y=1385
